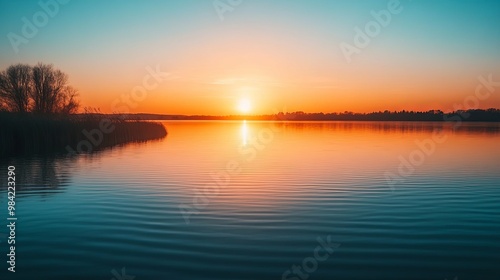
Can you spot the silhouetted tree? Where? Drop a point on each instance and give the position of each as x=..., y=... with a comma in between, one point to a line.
x=15, y=87
x=40, y=89
x=51, y=92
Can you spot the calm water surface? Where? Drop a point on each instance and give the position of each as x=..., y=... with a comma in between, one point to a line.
x=249, y=200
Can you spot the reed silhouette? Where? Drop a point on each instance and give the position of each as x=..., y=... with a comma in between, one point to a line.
x=28, y=134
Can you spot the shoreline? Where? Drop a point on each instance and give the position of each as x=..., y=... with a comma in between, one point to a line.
x=26, y=134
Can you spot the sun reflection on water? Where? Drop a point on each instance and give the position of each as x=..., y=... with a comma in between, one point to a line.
x=244, y=132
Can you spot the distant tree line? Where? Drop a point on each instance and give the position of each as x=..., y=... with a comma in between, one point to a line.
x=39, y=89
x=487, y=115
x=473, y=115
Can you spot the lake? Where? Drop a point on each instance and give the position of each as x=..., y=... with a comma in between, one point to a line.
x=265, y=200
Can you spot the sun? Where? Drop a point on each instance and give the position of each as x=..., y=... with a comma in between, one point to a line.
x=244, y=105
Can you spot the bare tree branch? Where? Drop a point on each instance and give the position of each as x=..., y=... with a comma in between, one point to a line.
x=41, y=89
x=51, y=93
x=15, y=87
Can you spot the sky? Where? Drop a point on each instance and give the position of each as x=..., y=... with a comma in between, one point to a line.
x=228, y=57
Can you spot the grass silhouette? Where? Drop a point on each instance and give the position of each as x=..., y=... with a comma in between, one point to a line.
x=28, y=134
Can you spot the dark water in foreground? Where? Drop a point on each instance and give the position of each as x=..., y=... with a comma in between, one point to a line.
x=124, y=212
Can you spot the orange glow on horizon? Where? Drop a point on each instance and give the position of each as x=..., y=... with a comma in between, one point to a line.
x=229, y=97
